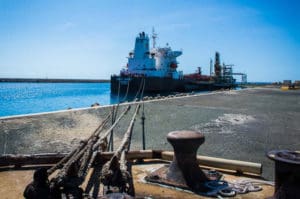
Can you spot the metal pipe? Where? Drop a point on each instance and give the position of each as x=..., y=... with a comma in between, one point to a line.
x=221, y=163
x=217, y=163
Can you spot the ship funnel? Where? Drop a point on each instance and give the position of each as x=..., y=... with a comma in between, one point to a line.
x=141, y=47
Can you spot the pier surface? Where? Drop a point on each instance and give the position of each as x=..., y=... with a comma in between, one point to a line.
x=241, y=125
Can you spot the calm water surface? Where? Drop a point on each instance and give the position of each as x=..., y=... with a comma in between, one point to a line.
x=26, y=98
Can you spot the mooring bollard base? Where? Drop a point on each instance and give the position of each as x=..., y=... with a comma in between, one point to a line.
x=184, y=171
x=287, y=173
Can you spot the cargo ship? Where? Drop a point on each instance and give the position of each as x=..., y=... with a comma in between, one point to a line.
x=155, y=71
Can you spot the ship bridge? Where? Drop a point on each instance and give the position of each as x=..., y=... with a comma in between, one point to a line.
x=160, y=62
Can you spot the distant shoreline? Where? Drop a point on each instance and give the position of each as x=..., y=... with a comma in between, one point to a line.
x=41, y=80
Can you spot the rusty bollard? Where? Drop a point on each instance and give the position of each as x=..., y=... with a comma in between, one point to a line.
x=184, y=167
x=287, y=173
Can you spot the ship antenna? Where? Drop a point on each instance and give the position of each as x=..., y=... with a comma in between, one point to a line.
x=154, y=36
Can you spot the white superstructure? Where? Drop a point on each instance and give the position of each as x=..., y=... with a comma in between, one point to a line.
x=159, y=62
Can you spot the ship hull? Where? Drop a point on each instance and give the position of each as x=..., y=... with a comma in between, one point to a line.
x=131, y=85
x=120, y=84
x=207, y=86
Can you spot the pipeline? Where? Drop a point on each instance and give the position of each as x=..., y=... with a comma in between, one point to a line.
x=205, y=161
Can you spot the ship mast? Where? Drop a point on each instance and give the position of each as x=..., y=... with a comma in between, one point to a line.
x=154, y=36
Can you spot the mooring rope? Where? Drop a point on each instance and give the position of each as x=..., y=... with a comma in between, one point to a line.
x=139, y=90
x=107, y=132
x=81, y=159
x=78, y=149
x=85, y=154
x=142, y=94
x=127, y=137
x=242, y=186
x=220, y=188
x=119, y=88
x=114, y=171
x=111, y=139
x=115, y=111
x=127, y=90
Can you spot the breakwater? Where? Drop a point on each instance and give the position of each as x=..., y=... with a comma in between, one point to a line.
x=45, y=80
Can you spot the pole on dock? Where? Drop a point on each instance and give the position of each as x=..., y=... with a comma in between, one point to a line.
x=210, y=67
x=143, y=128
x=111, y=140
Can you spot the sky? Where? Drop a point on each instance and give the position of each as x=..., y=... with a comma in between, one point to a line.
x=91, y=39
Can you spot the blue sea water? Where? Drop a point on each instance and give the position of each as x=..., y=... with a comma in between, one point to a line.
x=26, y=98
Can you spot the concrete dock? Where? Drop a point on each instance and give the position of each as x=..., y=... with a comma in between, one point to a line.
x=241, y=125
